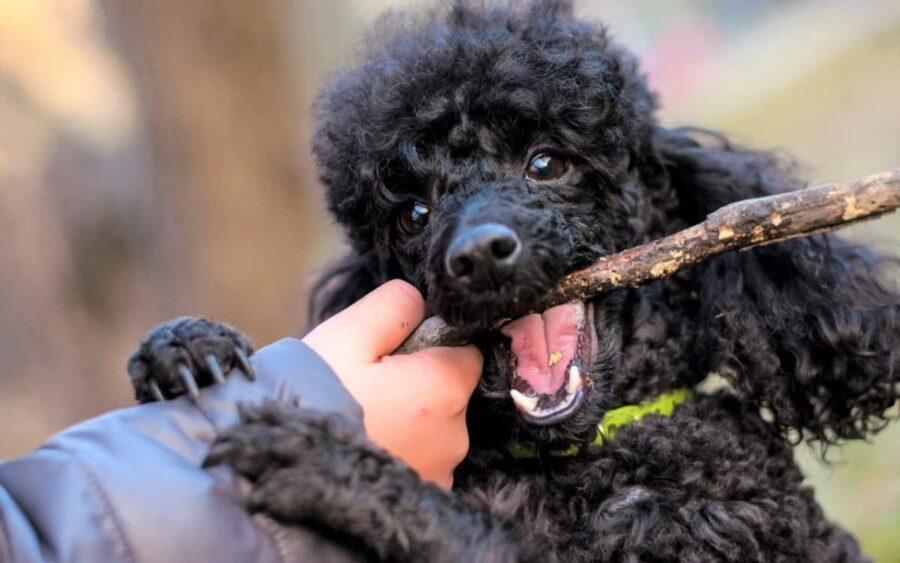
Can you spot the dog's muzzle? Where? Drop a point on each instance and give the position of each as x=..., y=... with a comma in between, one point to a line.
x=483, y=256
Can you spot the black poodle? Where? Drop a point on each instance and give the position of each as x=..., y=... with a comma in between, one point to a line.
x=483, y=151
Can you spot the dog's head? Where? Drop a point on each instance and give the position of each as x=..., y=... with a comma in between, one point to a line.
x=482, y=153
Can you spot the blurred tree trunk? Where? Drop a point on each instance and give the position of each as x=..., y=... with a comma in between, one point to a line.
x=224, y=144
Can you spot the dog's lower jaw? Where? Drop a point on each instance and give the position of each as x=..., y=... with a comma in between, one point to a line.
x=493, y=407
x=548, y=361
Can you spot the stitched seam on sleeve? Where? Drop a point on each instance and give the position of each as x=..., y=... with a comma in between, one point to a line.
x=121, y=543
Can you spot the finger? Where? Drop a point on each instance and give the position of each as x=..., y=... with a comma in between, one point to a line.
x=441, y=464
x=443, y=378
x=375, y=325
x=461, y=365
x=459, y=446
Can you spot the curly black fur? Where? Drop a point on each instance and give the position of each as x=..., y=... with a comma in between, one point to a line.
x=310, y=468
x=447, y=109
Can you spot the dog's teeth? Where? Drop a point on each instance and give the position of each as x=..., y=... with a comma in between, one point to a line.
x=523, y=402
x=574, y=382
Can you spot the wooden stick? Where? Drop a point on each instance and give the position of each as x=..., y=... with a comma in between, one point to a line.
x=739, y=226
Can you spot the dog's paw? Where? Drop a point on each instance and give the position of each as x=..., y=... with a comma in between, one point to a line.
x=182, y=355
x=306, y=467
x=288, y=451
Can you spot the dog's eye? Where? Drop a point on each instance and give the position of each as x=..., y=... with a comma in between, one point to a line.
x=545, y=167
x=414, y=218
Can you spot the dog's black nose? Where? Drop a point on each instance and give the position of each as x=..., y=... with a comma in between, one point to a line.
x=483, y=255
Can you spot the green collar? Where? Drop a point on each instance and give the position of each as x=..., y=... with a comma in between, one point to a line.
x=663, y=405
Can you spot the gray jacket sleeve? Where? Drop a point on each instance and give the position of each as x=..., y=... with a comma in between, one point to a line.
x=128, y=486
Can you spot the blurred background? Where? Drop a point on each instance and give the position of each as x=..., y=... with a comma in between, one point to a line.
x=154, y=162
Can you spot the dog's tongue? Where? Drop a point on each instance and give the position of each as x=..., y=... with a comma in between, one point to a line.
x=545, y=345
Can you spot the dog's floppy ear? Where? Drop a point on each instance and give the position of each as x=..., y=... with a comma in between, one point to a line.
x=341, y=285
x=806, y=328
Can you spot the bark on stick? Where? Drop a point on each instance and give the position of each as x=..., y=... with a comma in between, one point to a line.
x=739, y=226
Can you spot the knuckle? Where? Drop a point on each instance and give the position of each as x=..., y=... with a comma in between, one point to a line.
x=453, y=398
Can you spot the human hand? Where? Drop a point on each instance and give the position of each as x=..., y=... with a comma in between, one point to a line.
x=414, y=405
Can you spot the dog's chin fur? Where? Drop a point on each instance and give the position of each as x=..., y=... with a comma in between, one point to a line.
x=448, y=108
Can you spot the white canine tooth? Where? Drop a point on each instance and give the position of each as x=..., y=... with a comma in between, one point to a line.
x=574, y=383
x=524, y=402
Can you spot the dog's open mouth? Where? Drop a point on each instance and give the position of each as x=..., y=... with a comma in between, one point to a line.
x=547, y=361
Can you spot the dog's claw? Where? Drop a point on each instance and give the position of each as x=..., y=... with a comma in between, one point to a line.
x=215, y=369
x=181, y=356
x=245, y=364
x=156, y=391
x=189, y=382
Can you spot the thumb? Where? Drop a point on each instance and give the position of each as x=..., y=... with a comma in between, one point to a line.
x=372, y=327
